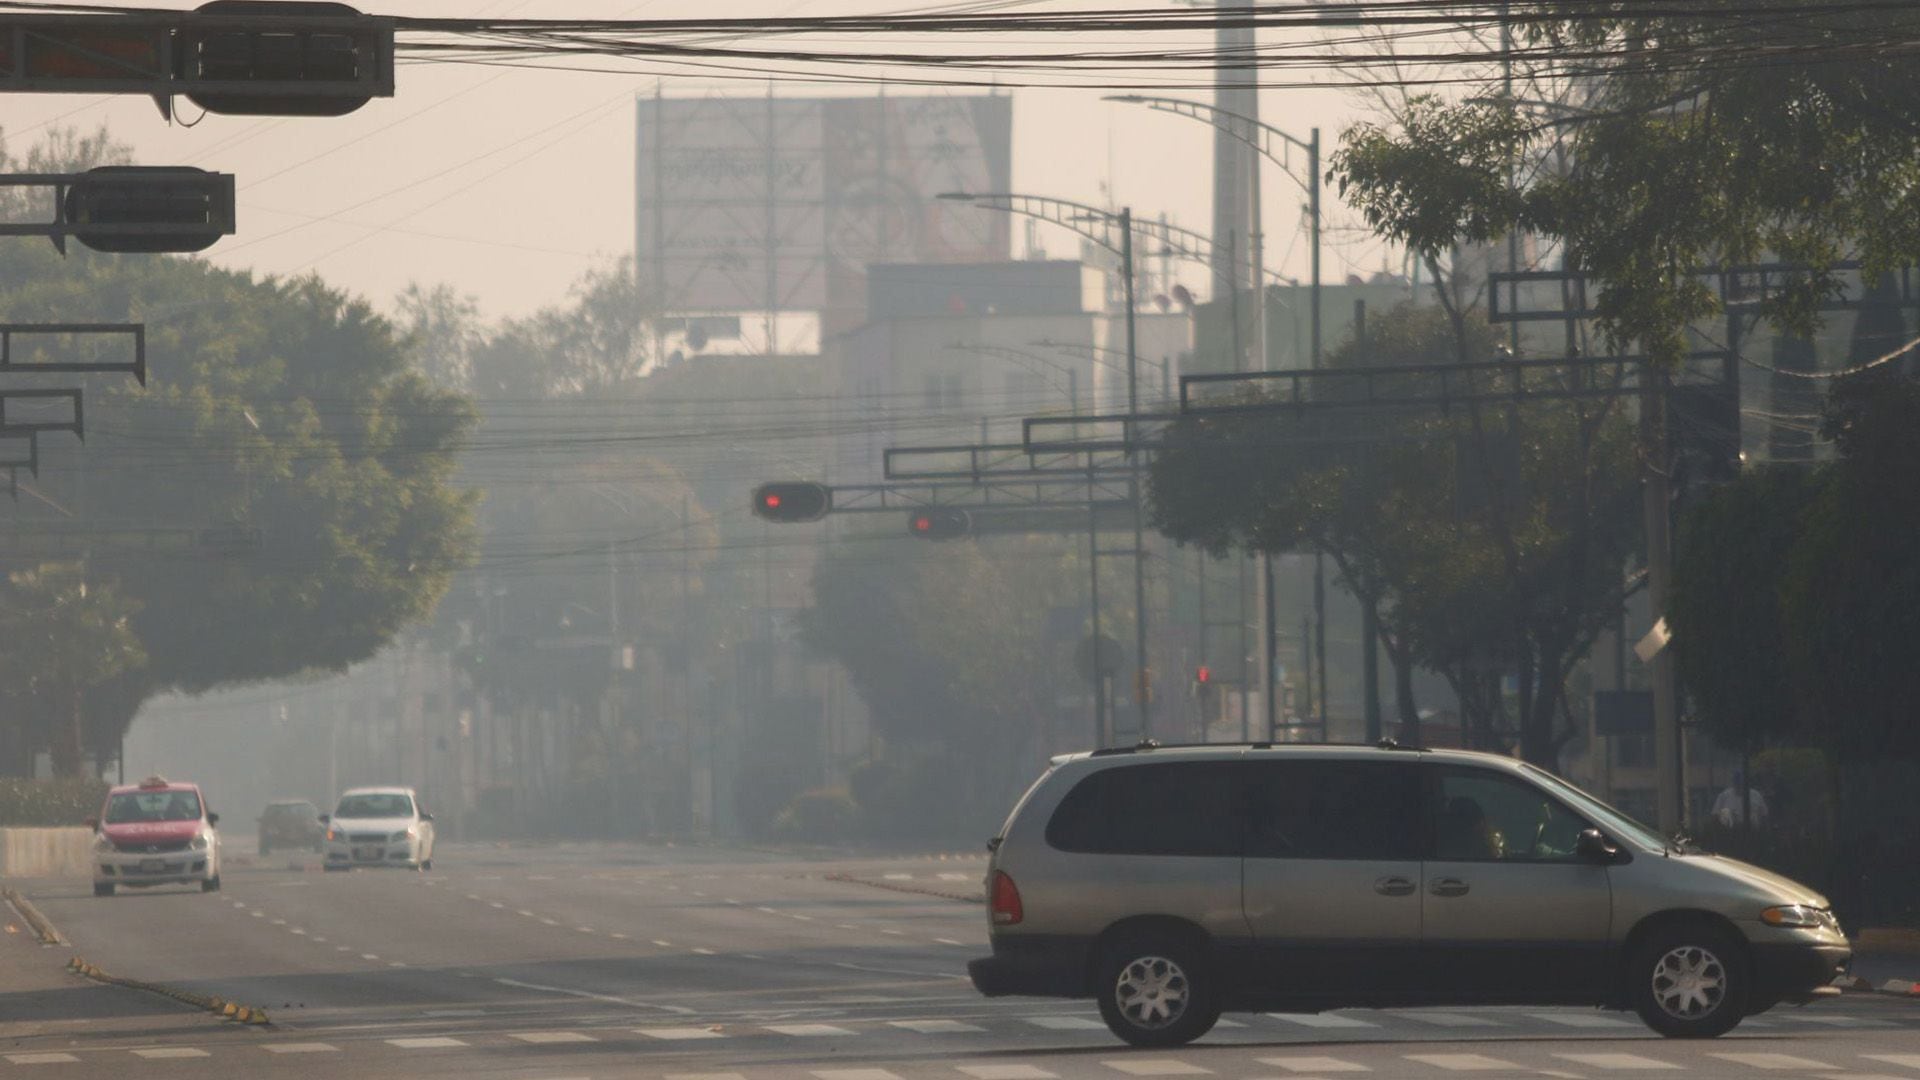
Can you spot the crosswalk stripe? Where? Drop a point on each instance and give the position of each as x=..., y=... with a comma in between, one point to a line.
x=1616, y=1061
x=1463, y=1062
x=1007, y=1072
x=1911, y=1061
x=426, y=1042
x=1834, y=1020
x=675, y=1033
x=1447, y=1019
x=1322, y=1020
x=41, y=1059
x=703, y=1076
x=302, y=1048
x=1314, y=1064
x=543, y=1037
x=1583, y=1020
x=855, y=1074
x=935, y=1027
x=1066, y=1023
x=1155, y=1067
x=807, y=1031
x=1774, y=1061
x=164, y=1052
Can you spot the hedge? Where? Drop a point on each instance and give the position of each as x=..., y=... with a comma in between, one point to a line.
x=41, y=803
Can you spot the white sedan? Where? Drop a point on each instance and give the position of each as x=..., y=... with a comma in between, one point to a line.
x=379, y=826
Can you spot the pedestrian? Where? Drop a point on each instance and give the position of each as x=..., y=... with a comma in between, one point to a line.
x=1730, y=808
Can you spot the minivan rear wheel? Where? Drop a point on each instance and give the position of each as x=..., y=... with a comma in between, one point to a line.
x=1156, y=993
x=1689, y=981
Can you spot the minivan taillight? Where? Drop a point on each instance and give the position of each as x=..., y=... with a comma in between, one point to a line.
x=1005, y=900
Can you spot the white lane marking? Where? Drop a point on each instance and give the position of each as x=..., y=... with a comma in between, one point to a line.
x=297, y=932
x=679, y=1033
x=544, y=1037
x=955, y=877
x=1447, y=1019
x=1322, y=1020
x=949, y=941
x=41, y=1059
x=163, y=1052
x=396, y=963
x=1155, y=1067
x=896, y=877
x=663, y=944
x=524, y=911
x=729, y=900
x=369, y=956
x=801, y=918
x=935, y=1027
x=585, y=929
x=318, y=940
x=427, y=1042
x=590, y=996
x=439, y=1014
x=343, y=948
x=1463, y=1062
x=539, y=877
x=895, y=933
x=1616, y=1061
x=279, y=922
x=1911, y=1061
x=768, y=910
x=703, y=952
x=258, y=914
x=845, y=926
x=700, y=894
x=1007, y=1072
x=237, y=904
x=1775, y=1061
x=703, y=1076
x=1833, y=1020
x=618, y=936
x=496, y=905
x=549, y=922
x=1314, y=1064
x=807, y=1031
x=1066, y=1023
x=1583, y=1020
x=302, y=1048
x=855, y=1074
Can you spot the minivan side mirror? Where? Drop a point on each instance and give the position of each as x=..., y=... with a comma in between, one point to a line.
x=326, y=819
x=213, y=819
x=1594, y=846
x=426, y=816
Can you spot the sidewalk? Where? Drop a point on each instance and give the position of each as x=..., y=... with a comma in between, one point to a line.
x=1881, y=955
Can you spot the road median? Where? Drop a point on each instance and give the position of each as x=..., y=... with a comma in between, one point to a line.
x=238, y=1013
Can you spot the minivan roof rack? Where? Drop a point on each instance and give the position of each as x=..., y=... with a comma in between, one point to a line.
x=1264, y=744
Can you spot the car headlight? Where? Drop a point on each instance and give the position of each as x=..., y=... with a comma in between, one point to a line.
x=1799, y=917
x=333, y=833
x=200, y=842
x=101, y=843
x=401, y=836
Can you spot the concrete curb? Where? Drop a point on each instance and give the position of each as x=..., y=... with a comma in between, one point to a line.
x=45, y=930
x=894, y=886
x=242, y=1014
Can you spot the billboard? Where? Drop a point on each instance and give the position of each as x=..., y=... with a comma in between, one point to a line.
x=779, y=204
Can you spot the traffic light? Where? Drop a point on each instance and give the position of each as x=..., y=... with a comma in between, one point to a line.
x=147, y=208
x=791, y=502
x=285, y=59
x=939, y=523
x=1203, y=682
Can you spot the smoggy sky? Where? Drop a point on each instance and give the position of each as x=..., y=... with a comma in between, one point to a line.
x=507, y=183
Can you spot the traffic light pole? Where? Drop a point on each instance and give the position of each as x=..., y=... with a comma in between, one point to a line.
x=1142, y=679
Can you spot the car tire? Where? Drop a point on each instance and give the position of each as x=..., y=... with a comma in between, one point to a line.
x=426, y=864
x=1690, y=980
x=103, y=888
x=1156, y=991
x=212, y=884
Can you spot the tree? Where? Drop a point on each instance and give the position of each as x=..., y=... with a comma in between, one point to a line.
x=67, y=640
x=1730, y=638
x=442, y=328
x=305, y=469
x=1493, y=539
x=1852, y=589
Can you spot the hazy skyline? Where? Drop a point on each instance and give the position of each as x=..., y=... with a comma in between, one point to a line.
x=509, y=183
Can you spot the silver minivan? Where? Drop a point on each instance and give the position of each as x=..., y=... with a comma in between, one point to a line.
x=1172, y=884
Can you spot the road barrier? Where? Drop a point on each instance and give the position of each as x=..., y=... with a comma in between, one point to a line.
x=46, y=853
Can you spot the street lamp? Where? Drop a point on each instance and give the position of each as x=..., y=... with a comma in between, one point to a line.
x=1100, y=227
x=1277, y=146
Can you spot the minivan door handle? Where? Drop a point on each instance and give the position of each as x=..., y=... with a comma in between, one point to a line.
x=1393, y=886
x=1447, y=886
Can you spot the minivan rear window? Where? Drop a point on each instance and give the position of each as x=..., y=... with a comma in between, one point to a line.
x=1159, y=808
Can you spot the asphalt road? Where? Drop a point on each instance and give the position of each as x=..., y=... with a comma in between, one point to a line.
x=697, y=964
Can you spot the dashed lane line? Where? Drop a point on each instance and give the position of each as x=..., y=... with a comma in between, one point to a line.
x=427, y=1042
x=807, y=1031
x=1309, y=1064
x=1617, y=1061
x=1155, y=1067
x=161, y=1053
x=543, y=1038
x=1008, y=1072
x=1322, y=1020
x=679, y=1034
x=41, y=1059
x=301, y=1048
x=1775, y=1062
x=936, y=1027
x=1463, y=1062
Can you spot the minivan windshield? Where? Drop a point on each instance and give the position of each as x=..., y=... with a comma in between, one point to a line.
x=374, y=806
x=1609, y=818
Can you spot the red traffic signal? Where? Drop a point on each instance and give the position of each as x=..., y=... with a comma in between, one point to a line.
x=794, y=501
x=148, y=208
x=939, y=523
x=1203, y=674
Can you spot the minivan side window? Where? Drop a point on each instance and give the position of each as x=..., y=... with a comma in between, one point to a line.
x=1157, y=808
x=1334, y=810
x=1484, y=815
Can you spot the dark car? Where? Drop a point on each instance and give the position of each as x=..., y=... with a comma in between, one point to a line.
x=291, y=823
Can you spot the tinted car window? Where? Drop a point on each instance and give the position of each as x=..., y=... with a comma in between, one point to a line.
x=1484, y=815
x=1162, y=808
x=374, y=806
x=1333, y=810
x=149, y=806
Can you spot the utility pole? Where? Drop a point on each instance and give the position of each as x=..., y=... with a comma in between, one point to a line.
x=1142, y=684
x=1370, y=604
x=1670, y=796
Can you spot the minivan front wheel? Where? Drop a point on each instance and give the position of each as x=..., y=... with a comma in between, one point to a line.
x=1156, y=993
x=1690, y=982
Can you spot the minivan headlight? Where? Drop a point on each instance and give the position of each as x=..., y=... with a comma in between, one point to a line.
x=1799, y=917
x=200, y=842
